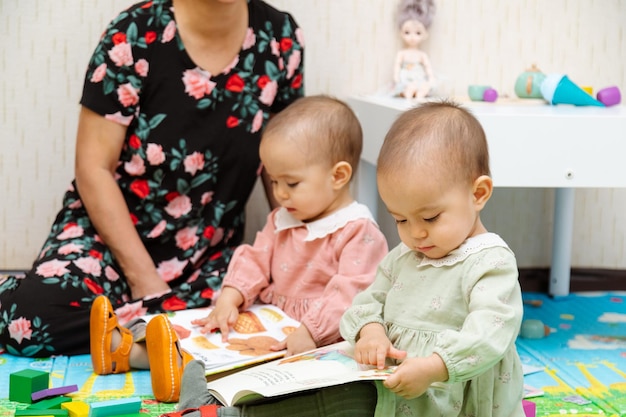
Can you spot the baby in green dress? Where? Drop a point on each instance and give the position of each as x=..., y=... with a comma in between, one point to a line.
x=446, y=303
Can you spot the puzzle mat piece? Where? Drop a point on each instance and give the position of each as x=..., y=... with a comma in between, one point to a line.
x=70, y=370
x=584, y=355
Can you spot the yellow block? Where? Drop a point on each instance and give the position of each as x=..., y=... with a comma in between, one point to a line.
x=76, y=409
x=587, y=89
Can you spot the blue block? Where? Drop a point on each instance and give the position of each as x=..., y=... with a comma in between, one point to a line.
x=115, y=407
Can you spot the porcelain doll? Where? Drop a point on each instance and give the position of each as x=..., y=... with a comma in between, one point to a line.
x=413, y=75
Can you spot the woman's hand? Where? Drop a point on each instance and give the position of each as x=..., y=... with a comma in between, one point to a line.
x=413, y=377
x=297, y=342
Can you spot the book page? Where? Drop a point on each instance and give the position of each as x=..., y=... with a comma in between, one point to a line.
x=248, y=342
x=326, y=366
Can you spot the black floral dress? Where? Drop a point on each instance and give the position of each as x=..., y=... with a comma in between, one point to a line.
x=187, y=168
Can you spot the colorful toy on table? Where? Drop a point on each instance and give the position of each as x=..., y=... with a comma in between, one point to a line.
x=559, y=89
x=528, y=83
x=482, y=93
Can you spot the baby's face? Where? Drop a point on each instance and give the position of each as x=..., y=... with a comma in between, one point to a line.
x=413, y=33
x=305, y=189
x=433, y=218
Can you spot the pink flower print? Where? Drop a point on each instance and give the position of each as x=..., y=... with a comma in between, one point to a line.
x=197, y=83
x=127, y=95
x=135, y=166
x=70, y=248
x=117, y=117
x=111, y=274
x=257, y=122
x=172, y=269
x=300, y=36
x=71, y=231
x=179, y=206
x=269, y=93
x=75, y=204
x=89, y=265
x=141, y=67
x=281, y=63
x=19, y=329
x=293, y=63
x=194, y=162
x=250, y=39
x=206, y=198
x=169, y=32
x=99, y=73
x=232, y=65
x=121, y=54
x=193, y=276
x=130, y=311
x=275, y=47
x=155, y=154
x=186, y=238
x=53, y=268
x=157, y=230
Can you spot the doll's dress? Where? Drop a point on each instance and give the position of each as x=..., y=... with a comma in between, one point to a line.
x=410, y=72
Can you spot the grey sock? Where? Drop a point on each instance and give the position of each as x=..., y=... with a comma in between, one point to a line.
x=193, y=391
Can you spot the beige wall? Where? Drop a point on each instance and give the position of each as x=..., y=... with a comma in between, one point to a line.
x=350, y=49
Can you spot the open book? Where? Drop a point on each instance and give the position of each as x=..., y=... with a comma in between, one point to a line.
x=322, y=367
x=248, y=342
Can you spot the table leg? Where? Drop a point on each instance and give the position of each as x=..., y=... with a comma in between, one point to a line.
x=367, y=191
x=562, y=235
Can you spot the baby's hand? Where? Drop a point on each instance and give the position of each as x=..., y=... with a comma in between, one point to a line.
x=374, y=346
x=297, y=342
x=222, y=317
x=413, y=377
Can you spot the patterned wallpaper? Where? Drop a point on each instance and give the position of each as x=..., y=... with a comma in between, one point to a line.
x=350, y=49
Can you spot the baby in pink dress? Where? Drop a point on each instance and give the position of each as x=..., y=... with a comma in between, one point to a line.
x=320, y=247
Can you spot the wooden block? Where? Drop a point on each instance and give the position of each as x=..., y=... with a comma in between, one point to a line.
x=76, y=409
x=51, y=392
x=117, y=407
x=23, y=383
x=530, y=408
x=48, y=412
x=49, y=403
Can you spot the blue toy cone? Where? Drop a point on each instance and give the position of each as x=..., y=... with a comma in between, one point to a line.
x=566, y=92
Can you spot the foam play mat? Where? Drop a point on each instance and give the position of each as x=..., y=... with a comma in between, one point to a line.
x=577, y=369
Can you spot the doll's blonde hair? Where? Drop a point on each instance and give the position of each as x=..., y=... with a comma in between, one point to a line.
x=420, y=10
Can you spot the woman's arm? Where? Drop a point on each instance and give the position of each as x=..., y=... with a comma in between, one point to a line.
x=98, y=146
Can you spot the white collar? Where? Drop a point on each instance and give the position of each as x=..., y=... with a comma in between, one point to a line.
x=471, y=246
x=283, y=220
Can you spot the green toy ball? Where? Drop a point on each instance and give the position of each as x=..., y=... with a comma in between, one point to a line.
x=534, y=329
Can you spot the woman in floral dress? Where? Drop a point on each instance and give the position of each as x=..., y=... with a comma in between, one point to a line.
x=175, y=97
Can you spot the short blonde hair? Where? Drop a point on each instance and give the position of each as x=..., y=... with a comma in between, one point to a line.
x=442, y=135
x=324, y=127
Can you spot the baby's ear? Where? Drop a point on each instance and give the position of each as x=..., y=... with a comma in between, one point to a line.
x=482, y=190
x=342, y=173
